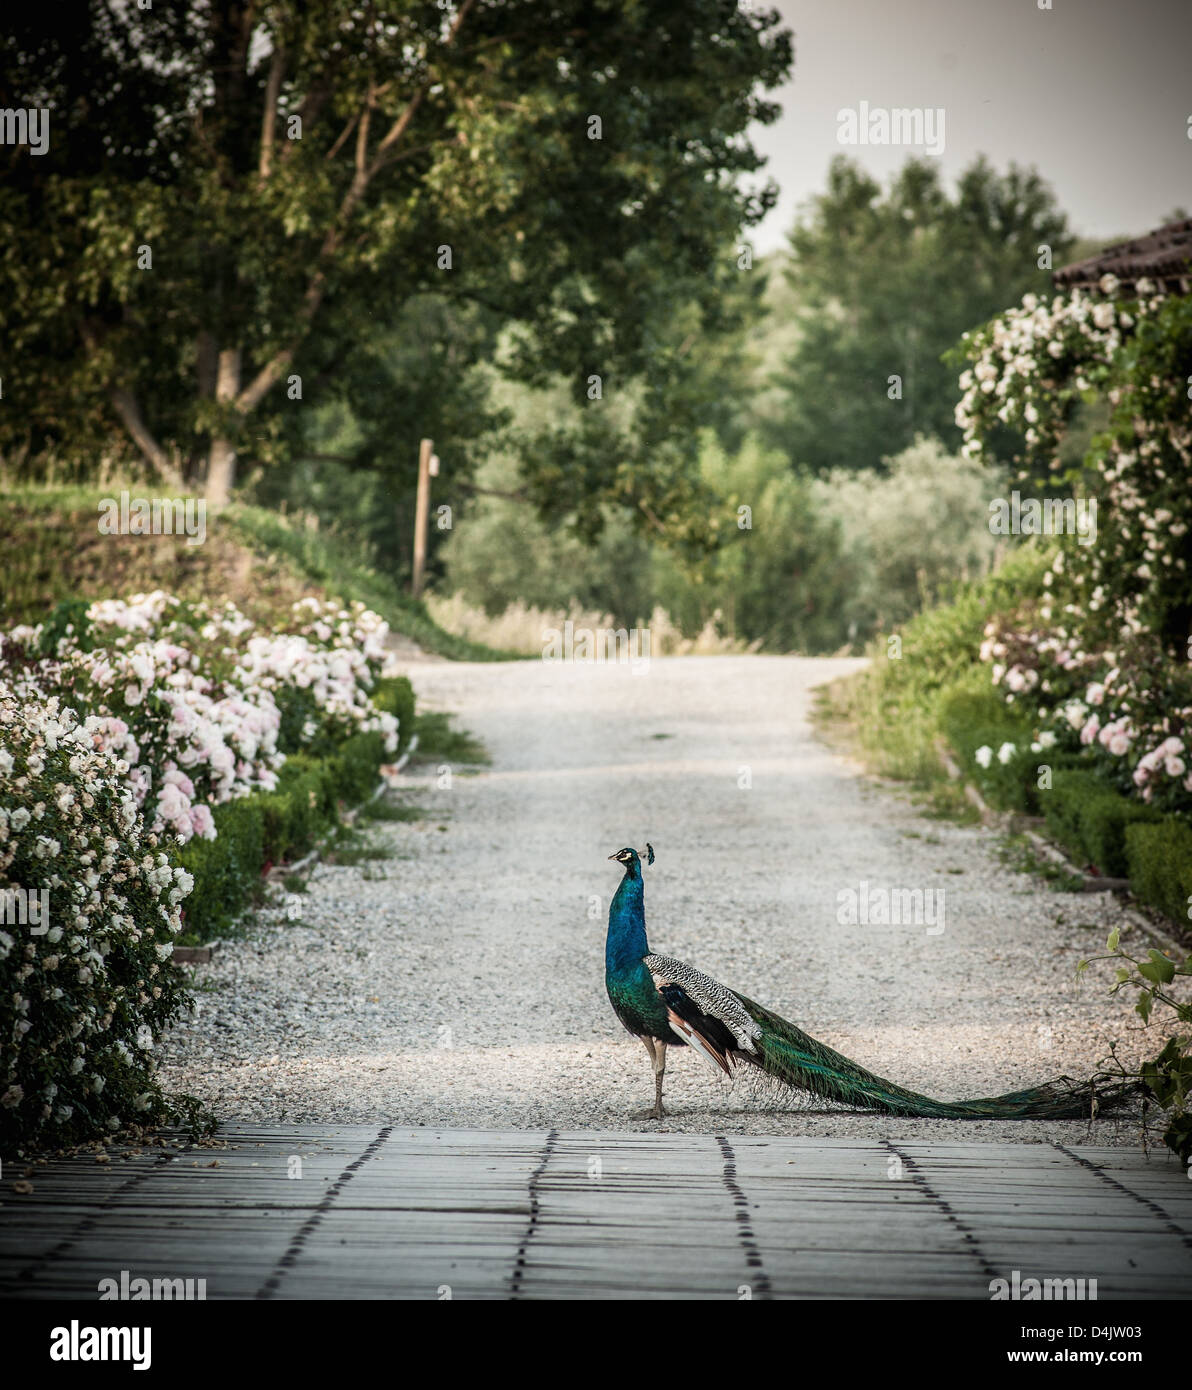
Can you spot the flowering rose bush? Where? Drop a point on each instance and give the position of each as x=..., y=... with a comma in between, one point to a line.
x=123, y=726
x=1099, y=665
x=1102, y=662
x=1129, y=710
x=90, y=907
x=202, y=708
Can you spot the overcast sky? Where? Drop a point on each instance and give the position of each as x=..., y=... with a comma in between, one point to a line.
x=1095, y=94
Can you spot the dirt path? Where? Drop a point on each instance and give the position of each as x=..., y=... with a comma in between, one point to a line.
x=460, y=983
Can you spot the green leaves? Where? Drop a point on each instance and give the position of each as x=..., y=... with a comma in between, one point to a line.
x=173, y=129
x=1158, y=969
x=1168, y=1077
x=886, y=280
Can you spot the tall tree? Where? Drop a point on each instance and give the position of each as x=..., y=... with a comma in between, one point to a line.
x=234, y=187
x=886, y=282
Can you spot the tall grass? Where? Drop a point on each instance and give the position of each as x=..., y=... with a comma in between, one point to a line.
x=525, y=630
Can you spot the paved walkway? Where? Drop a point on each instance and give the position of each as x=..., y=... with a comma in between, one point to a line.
x=362, y=1211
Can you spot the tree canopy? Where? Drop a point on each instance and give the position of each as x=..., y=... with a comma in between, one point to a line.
x=886, y=281
x=236, y=194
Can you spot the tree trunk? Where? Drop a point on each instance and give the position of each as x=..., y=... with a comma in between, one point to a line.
x=221, y=460
x=130, y=413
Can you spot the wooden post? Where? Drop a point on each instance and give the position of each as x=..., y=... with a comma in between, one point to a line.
x=421, y=516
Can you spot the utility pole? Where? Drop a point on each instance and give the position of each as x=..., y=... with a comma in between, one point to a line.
x=422, y=515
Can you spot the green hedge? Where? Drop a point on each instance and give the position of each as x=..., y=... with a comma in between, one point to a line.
x=1122, y=837
x=1159, y=857
x=971, y=721
x=395, y=695
x=269, y=828
x=1091, y=819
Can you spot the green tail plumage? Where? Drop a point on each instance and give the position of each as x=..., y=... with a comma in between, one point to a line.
x=797, y=1060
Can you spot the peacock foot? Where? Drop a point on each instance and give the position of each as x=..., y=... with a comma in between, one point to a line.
x=657, y=1112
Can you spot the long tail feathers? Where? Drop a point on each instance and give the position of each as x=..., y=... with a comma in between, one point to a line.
x=792, y=1057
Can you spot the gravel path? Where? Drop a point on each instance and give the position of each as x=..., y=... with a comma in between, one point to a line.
x=460, y=982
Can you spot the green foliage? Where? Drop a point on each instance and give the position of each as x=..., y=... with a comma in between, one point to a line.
x=280, y=253
x=423, y=374
x=262, y=561
x=1159, y=859
x=437, y=739
x=1033, y=368
x=895, y=704
x=780, y=579
x=90, y=911
x=268, y=828
x=1168, y=1077
x=548, y=566
x=971, y=720
x=909, y=532
x=886, y=283
x=395, y=695
x=226, y=870
x=327, y=560
x=777, y=578
x=1091, y=819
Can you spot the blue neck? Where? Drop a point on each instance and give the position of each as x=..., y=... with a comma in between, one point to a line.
x=626, y=942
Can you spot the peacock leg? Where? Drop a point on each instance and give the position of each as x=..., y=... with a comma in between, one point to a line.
x=657, y=1051
x=659, y=1073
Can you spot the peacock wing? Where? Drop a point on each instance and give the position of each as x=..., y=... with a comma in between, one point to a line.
x=702, y=1011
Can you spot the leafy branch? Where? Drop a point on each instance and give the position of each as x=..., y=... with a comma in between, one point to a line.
x=1167, y=1077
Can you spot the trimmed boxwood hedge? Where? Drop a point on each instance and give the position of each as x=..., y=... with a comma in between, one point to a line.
x=395, y=695
x=971, y=721
x=1096, y=823
x=268, y=828
x=1159, y=857
x=1090, y=818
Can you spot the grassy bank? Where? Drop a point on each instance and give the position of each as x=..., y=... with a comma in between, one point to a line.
x=261, y=561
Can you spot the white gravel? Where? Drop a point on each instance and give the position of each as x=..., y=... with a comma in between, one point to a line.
x=461, y=982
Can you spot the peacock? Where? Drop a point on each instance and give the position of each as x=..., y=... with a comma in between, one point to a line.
x=667, y=1003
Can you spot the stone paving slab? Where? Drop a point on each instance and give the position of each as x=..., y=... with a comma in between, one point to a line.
x=361, y=1211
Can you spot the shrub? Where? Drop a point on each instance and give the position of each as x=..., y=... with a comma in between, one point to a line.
x=1070, y=792
x=91, y=903
x=227, y=869
x=272, y=827
x=395, y=695
x=1159, y=858
x=994, y=750
x=202, y=707
x=1091, y=819
x=896, y=702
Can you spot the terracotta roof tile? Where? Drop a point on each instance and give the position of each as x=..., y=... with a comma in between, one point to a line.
x=1164, y=255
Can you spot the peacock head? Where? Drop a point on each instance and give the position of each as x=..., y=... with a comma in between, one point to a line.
x=632, y=860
